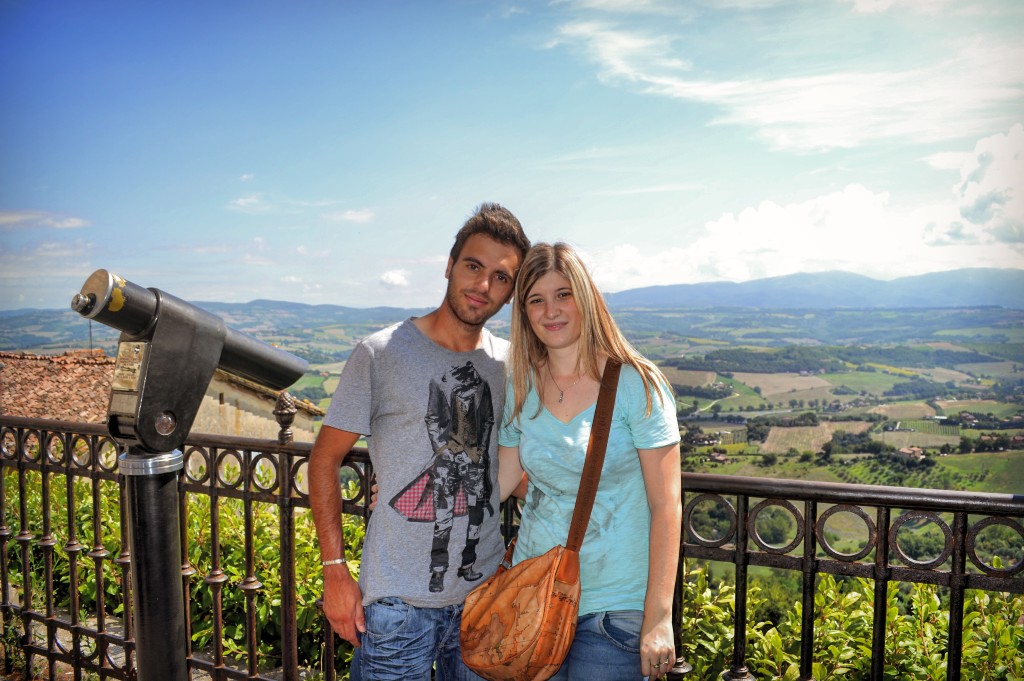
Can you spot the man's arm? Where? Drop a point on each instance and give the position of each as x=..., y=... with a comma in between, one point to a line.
x=343, y=601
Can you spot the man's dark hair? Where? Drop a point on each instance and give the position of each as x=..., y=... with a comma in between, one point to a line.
x=496, y=222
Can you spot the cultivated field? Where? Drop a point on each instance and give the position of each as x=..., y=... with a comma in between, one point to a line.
x=900, y=439
x=903, y=410
x=992, y=369
x=978, y=406
x=808, y=438
x=685, y=377
x=871, y=382
x=773, y=385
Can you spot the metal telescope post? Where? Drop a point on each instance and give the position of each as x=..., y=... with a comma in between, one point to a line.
x=167, y=353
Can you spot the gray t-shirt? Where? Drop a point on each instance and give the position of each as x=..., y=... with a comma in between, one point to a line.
x=431, y=418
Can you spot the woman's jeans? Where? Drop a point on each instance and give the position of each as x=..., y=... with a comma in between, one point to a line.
x=606, y=648
x=403, y=642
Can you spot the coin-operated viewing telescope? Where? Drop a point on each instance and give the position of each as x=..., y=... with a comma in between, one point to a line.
x=166, y=356
x=167, y=353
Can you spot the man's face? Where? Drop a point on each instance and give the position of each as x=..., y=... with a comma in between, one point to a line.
x=481, y=280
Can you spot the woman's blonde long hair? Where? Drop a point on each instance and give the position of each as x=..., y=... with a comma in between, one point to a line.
x=599, y=334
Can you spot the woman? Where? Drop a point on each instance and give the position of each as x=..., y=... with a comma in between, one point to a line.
x=562, y=335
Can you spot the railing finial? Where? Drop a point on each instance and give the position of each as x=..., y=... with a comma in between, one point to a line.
x=285, y=411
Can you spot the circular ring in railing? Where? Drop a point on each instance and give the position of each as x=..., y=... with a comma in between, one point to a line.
x=197, y=464
x=225, y=475
x=61, y=647
x=362, y=494
x=756, y=536
x=972, y=541
x=819, y=532
x=107, y=454
x=82, y=453
x=947, y=544
x=27, y=451
x=299, y=468
x=8, y=443
x=718, y=500
x=264, y=466
x=55, y=449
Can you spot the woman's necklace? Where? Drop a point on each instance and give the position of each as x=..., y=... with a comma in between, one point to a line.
x=561, y=393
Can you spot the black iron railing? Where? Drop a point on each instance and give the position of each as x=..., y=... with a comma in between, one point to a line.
x=48, y=465
x=45, y=465
x=880, y=557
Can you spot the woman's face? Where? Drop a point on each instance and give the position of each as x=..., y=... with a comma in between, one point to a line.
x=551, y=309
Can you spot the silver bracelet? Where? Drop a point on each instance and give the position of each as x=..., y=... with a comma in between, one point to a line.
x=336, y=561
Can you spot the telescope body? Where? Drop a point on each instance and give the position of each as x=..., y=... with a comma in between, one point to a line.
x=167, y=353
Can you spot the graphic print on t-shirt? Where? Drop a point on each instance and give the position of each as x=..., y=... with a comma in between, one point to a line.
x=455, y=482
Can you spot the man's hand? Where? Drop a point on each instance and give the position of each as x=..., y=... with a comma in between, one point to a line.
x=343, y=603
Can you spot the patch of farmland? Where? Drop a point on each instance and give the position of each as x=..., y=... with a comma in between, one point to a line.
x=900, y=439
x=956, y=406
x=946, y=345
x=992, y=369
x=777, y=384
x=872, y=382
x=941, y=375
x=808, y=438
x=687, y=377
x=903, y=410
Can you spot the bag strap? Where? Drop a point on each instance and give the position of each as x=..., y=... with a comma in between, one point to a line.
x=595, y=455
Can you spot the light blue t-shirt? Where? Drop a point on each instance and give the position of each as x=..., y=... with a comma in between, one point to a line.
x=614, y=555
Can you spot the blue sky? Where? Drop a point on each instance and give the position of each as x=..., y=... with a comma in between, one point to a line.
x=326, y=152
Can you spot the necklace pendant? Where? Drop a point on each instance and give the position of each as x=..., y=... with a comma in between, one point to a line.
x=560, y=396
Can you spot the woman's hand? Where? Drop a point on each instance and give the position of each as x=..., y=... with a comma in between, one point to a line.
x=657, y=649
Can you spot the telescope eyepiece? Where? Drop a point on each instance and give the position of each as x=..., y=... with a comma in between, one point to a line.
x=83, y=303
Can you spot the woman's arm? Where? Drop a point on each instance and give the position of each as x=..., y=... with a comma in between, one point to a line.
x=511, y=477
x=661, y=472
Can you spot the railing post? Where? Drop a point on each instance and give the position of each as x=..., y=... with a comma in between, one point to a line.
x=882, y=573
x=681, y=668
x=808, y=589
x=957, y=584
x=24, y=539
x=286, y=511
x=5, y=538
x=738, y=671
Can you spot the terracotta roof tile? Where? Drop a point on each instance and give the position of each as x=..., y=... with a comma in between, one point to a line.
x=74, y=386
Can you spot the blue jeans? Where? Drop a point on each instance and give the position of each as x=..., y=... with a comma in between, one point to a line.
x=404, y=642
x=606, y=648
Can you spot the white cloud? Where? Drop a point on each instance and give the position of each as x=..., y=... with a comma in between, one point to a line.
x=395, y=279
x=362, y=216
x=28, y=219
x=247, y=177
x=854, y=230
x=841, y=109
x=253, y=203
x=879, y=6
x=989, y=198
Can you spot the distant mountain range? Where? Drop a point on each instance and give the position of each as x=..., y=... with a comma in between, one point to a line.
x=748, y=305
x=971, y=287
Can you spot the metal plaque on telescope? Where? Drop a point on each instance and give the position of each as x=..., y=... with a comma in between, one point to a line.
x=128, y=367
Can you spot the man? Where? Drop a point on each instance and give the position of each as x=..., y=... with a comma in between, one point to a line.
x=426, y=392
